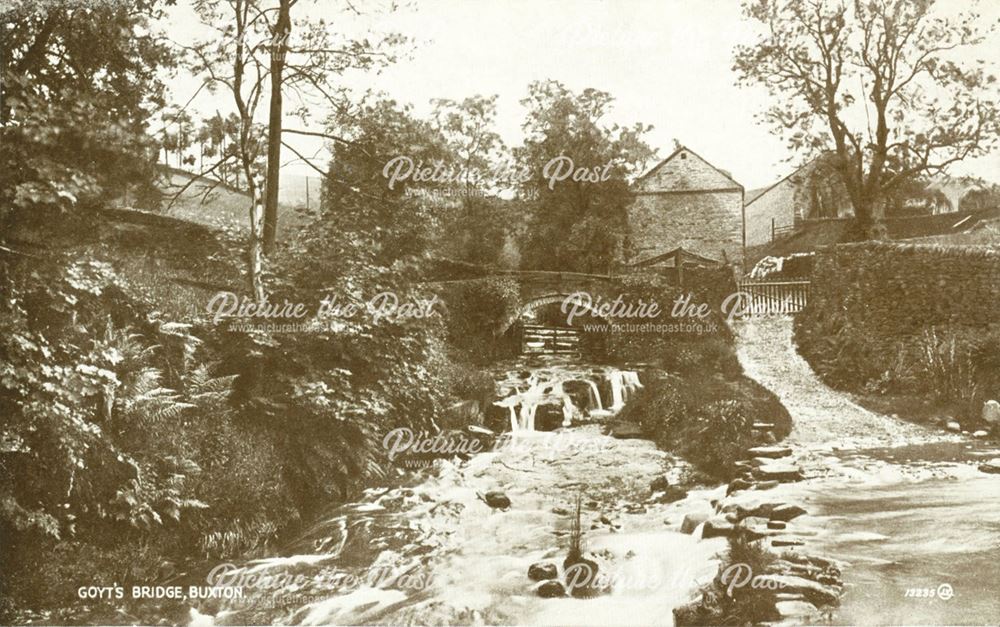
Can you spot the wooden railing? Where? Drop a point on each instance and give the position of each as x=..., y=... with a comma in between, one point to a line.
x=761, y=297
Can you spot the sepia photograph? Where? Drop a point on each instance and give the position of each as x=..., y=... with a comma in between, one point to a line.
x=500, y=312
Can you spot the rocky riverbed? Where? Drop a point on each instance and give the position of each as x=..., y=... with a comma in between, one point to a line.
x=860, y=513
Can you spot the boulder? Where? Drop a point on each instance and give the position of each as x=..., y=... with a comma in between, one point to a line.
x=541, y=571
x=738, y=484
x=766, y=485
x=579, y=393
x=953, y=426
x=991, y=413
x=776, y=524
x=495, y=499
x=991, y=467
x=622, y=429
x=717, y=528
x=778, y=471
x=773, y=452
x=786, y=512
x=550, y=589
x=980, y=434
x=692, y=520
x=582, y=576
x=671, y=494
x=660, y=484
x=549, y=416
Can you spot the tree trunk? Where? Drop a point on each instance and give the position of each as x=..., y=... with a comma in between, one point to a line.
x=869, y=215
x=255, y=251
x=279, y=47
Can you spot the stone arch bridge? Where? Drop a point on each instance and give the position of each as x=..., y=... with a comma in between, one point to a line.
x=539, y=288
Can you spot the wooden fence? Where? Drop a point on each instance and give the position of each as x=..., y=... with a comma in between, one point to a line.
x=760, y=297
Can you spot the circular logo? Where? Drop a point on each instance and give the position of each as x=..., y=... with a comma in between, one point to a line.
x=945, y=591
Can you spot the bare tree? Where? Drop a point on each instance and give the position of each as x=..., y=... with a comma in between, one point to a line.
x=878, y=82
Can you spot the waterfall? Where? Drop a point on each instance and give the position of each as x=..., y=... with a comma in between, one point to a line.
x=631, y=381
x=595, y=396
x=527, y=413
x=567, y=411
x=617, y=390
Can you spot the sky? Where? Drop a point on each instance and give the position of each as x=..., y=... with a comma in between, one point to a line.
x=667, y=63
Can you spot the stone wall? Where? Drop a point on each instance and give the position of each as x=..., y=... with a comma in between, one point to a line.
x=895, y=292
x=704, y=222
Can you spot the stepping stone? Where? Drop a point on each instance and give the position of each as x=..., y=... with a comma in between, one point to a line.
x=779, y=472
x=779, y=543
x=786, y=513
x=772, y=452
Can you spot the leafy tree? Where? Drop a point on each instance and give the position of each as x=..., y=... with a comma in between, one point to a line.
x=878, y=83
x=576, y=224
x=304, y=57
x=79, y=81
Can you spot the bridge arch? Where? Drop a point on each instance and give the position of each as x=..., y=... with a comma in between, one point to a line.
x=543, y=300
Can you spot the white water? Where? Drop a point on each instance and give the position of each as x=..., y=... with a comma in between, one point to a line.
x=547, y=386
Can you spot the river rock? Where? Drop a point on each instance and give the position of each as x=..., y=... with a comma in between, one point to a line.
x=582, y=576
x=549, y=416
x=738, y=484
x=550, y=589
x=779, y=472
x=796, y=609
x=776, y=524
x=754, y=521
x=786, y=513
x=773, y=452
x=579, y=392
x=496, y=499
x=815, y=592
x=541, y=571
x=622, y=429
x=991, y=467
x=692, y=520
x=717, y=528
x=991, y=413
x=659, y=484
x=671, y=494
x=783, y=543
x=953, y=426
x=816, y=560
x=980, y=434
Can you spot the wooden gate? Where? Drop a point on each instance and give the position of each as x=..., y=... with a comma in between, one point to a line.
x=761, y=297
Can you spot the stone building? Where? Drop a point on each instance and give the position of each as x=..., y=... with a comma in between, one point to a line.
x=685, y=202
x=813, y=191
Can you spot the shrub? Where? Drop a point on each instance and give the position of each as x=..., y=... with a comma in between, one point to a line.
x=708, y=422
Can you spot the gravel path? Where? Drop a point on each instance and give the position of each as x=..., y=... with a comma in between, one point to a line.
x=822, y=418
